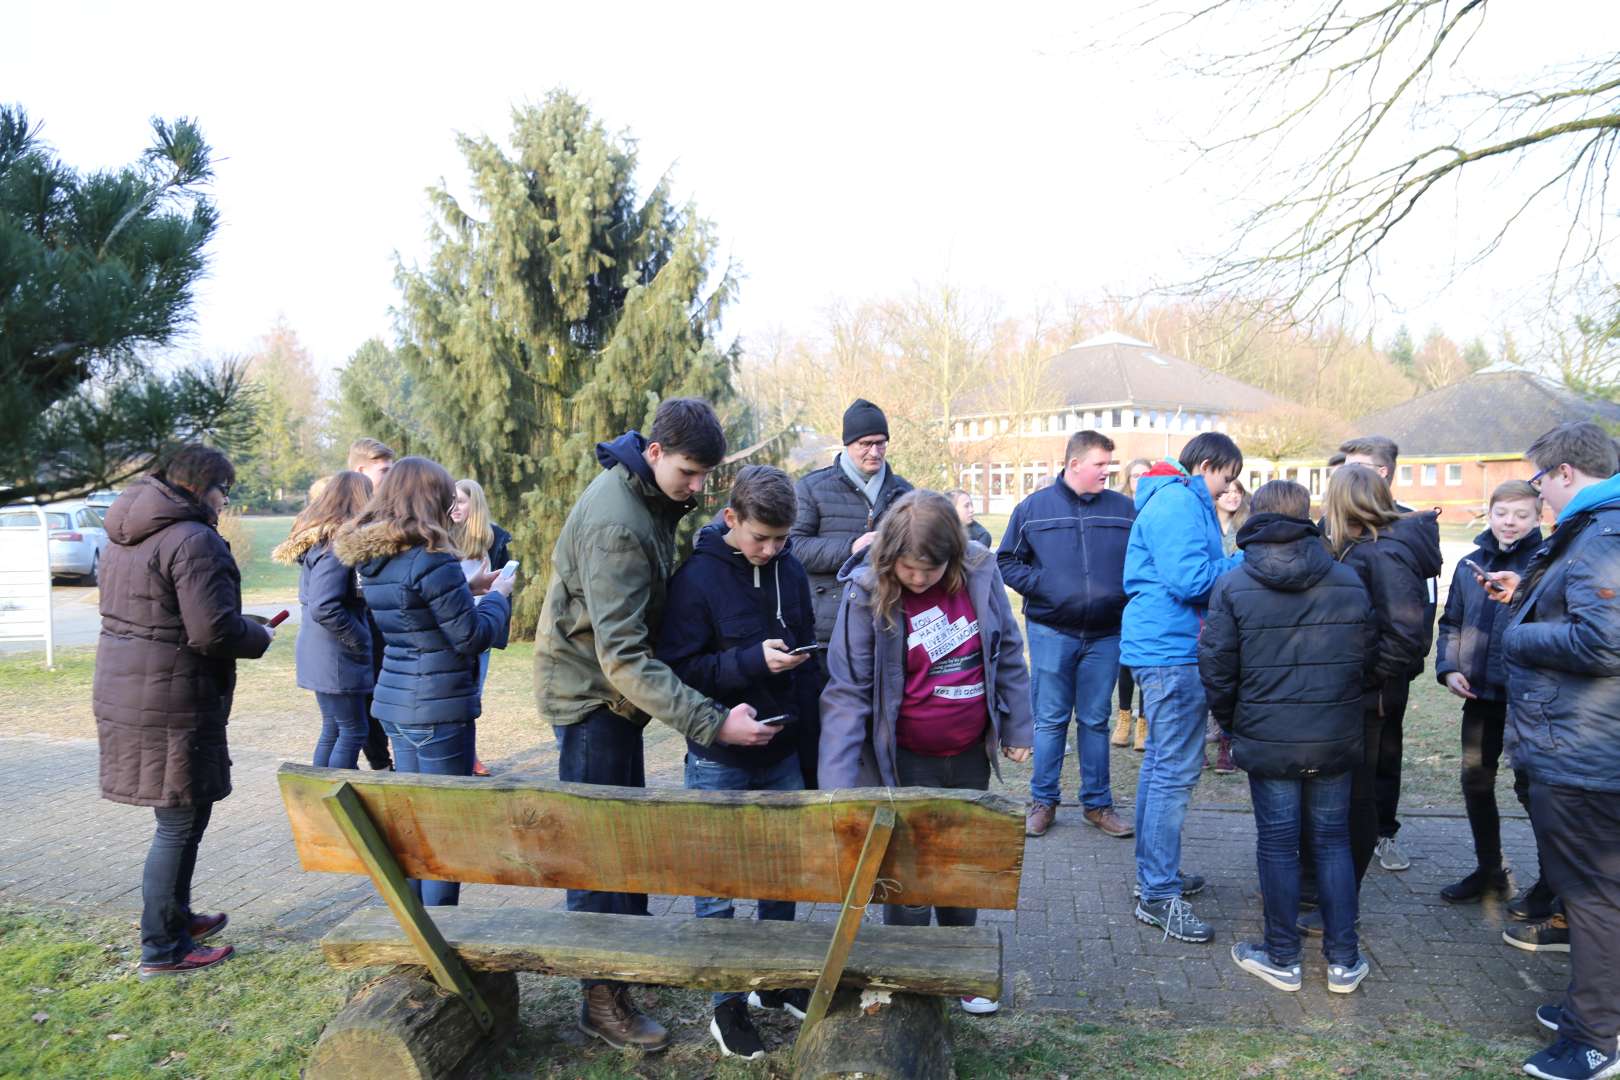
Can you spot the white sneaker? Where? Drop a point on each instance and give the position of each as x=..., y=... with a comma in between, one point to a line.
x=978, y=1006
x=1390, y=855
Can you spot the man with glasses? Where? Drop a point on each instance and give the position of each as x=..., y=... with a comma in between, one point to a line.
x=1562, y=648
x=839, y=510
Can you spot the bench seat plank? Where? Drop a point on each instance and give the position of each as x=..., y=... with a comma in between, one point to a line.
x=707, y=954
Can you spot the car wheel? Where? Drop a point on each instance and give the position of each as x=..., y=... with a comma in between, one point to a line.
x=95, y=570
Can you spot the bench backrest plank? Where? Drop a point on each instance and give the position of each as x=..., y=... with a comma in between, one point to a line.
x=962, y=848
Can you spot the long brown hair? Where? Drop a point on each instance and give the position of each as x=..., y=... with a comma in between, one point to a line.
x=921, y=526
x=1127, y=486
x=472, y=535
x=1357, y=501
x=411, y=506
x=338, y=501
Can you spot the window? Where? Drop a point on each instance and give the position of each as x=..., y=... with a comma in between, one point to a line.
x=1453, y=475
x=1117, y=418
x=1316, y=481
x=1136, y=418
x=1431, y=475
x=1403, y=476
x=86, y=519
x=1254, y=479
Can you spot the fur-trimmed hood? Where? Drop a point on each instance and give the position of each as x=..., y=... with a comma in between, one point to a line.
x=290, y=550
x=378, y=540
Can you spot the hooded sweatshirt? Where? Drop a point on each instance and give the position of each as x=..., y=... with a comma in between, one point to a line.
x=721, y=608
x=1397, y=567
x=1285, y=651
x=1171, y=562
x=605, y=602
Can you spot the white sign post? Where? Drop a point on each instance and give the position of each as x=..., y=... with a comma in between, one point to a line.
x=25, y=584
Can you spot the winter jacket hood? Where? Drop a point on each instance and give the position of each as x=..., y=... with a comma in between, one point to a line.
x=1065, y=554
x=1285, y=652
x=171, y=632
x=721, y=609
x=860, y=708
x=1172, y=561
x=605, y=602
x=1562, y=647
x=292, y=549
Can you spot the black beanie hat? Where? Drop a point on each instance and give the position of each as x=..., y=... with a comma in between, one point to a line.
x=863, y=418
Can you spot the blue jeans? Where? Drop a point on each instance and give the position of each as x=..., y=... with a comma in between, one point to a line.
x=345, y=723
x=1173, y=701
x=705, y=775
x=1071, y=675
x=435, y=750
x=1282, y=809
x=166, y=882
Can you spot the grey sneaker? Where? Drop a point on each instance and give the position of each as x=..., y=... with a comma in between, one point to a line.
x=1344, y=980
x=1255, y=960
x=1191, y=885
x=1176, y=917
x=1390, y=855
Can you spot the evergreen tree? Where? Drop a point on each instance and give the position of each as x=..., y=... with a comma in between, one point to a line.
x=97, y=270
x=556, y=312
x=1402, y=351
x=376, y=399
x=286, y=451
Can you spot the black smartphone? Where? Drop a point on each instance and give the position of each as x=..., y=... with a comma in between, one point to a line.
x=1480, y=570
x=810, y=648
x=777, y=721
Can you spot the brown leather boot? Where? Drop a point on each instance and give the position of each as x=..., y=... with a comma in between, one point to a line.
x=608, y=1013
x=1039, y=818
x=1141, y=734
x=1111, y=824
x=1122, y=730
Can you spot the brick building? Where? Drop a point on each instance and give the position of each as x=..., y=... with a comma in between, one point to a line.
x=1149, y=402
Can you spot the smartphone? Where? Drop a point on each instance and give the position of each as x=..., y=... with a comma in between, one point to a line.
x=1480, y=570
x=777, y=721
x=510, y=569
x=810, y=648
x=278, y=618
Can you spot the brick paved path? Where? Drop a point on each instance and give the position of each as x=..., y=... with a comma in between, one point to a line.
x=1072, y=944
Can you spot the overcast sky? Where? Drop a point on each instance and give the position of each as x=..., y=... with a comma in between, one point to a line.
x=841, y=150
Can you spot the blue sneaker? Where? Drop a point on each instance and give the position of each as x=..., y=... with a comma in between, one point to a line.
x=1567, y=1059
x=1256, y=961
x=1344, y=980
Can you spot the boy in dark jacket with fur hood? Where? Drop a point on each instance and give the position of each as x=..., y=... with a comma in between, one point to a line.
x=1284, y=655
x=737, y=609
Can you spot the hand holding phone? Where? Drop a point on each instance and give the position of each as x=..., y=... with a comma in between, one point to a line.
x=805, y=650
x=780, y=720
x=1484, y=577
x=510, y=569
x=777, y=657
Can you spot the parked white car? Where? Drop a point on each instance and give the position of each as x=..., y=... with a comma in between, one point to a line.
x=77, y=536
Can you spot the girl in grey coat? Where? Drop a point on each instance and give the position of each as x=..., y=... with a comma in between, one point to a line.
x=928, y=674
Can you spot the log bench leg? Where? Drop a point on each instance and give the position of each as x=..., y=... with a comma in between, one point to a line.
x=403, y=1026
x=905, y=1039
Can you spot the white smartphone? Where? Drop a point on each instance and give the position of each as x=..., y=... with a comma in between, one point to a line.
x=510, y=569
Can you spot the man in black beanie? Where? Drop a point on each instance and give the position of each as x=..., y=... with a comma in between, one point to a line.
x=839, y=507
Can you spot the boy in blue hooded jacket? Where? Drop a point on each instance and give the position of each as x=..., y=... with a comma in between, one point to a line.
x=1171, y=563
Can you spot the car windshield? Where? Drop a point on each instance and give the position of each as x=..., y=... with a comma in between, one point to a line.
x=18, y=519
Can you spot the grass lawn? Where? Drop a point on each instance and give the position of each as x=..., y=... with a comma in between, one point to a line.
x=263, y=579
x=75, y=1010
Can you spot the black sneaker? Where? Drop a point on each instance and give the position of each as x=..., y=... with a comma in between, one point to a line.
x=796, y=1003
x=1175, y=916
x=1476, y=886
x=1567, y=1059
x=736, y=1033
x=1549, y=936
x=1534, y=904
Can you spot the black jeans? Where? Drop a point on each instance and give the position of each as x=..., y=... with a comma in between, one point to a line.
x=603, y=748
x=166, y=882
x=1390, y=747
x=1363, y=800
x=1482, y=725
x=376, y=747
x=1127, y=691
x=1578, y=833
x=969, y=769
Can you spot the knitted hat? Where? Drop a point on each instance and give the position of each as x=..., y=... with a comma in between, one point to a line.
x=863, y=418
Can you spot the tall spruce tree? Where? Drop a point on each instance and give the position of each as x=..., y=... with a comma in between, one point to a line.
x=97, y=270
x=555, y=312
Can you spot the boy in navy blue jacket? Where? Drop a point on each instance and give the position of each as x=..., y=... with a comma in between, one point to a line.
x=737, y=609
x=1468, y=662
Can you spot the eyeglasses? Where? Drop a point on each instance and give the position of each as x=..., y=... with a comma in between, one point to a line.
x=871, y=444
x=225, y=490
x=1535, y=481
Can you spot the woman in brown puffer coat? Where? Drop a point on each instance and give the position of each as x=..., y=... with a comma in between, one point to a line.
x=171, y=632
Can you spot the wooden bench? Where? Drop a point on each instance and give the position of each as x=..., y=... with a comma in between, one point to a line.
x=906, y=845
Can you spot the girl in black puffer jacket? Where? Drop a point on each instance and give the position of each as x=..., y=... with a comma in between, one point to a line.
x=1284, y=654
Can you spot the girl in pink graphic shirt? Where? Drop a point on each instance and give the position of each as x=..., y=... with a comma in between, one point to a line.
x=928, y=680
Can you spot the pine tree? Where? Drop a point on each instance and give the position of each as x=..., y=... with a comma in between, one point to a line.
x=97, y=270
x=556, y=312
x=285, y=452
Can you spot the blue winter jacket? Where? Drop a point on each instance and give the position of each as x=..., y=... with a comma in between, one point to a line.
x=333, y=652
x=1563, y=650
x=720, y=608
x=432, y=628
x=1469, y=638
x=1065, y=554
x=1171, y=563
